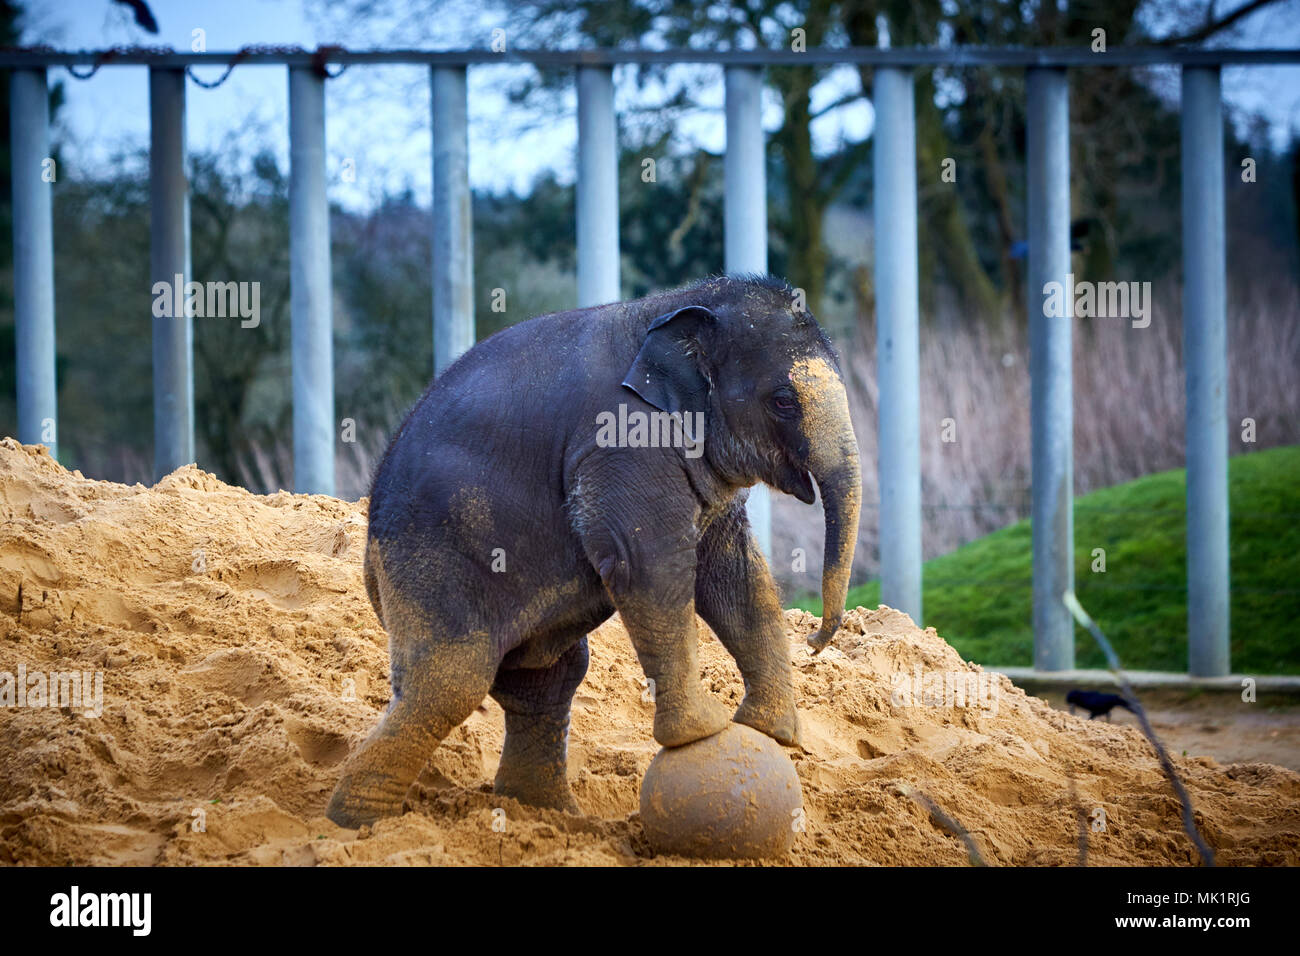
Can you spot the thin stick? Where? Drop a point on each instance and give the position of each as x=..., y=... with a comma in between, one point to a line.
x=1112, y=660
x=1081, y=819
x=947, y=822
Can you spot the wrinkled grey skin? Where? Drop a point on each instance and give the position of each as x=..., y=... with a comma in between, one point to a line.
x=502, y=532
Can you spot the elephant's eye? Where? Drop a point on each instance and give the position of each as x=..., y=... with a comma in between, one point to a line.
x=783, y=402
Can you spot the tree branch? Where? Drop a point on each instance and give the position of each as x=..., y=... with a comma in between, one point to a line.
x=1207, y=31
x=844, y=100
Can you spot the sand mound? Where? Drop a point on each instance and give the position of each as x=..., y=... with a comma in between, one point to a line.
x=241, y=661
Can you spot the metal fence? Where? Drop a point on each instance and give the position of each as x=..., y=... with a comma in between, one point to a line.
x=895, y=207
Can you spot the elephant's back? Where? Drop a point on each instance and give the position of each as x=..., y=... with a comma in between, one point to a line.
x=496, y=423
x=550, y=353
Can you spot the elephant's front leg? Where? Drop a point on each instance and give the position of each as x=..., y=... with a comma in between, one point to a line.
x=666, y=640
x=735, y=594
x=645, y=556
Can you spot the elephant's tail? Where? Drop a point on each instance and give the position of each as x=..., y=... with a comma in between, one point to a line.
x=372, y=584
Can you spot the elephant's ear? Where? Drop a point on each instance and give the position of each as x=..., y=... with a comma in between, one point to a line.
x=669, y=371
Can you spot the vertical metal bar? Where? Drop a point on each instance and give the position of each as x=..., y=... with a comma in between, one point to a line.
x=1051, y=376
x=29, y=130
x=898, y=370
x=1205, y=344
x=745, y=222
x=169, y=264
x=598, y=272
x=453, y=249
x=310, y=292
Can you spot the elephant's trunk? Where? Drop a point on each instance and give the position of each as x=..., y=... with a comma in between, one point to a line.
x=833, y=462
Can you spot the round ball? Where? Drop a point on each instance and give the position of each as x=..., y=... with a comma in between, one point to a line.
x=734, y=795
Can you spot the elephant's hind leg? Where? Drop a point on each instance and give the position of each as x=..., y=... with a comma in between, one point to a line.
x=435, y=691
x=537, y=702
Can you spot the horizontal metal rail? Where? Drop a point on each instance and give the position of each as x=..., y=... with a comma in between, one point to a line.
x=17, y=57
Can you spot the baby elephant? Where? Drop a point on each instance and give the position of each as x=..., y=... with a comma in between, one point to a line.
x=584, y=463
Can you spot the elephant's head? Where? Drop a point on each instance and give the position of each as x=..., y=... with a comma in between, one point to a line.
x=776, y=411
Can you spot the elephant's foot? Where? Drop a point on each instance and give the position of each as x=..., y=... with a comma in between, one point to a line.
x=534, y=760
x=364, y=796
x=773, y=714
x=694, y=719
x=542, y=787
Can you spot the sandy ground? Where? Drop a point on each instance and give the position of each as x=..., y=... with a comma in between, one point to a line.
x=241, y=661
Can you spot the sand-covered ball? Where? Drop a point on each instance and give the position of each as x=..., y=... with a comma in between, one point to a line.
x=734, y=795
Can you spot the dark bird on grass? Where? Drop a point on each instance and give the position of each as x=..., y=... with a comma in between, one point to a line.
x=143, y=16
x=1095, y=702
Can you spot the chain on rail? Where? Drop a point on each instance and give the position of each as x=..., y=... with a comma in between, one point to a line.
x=319, y=59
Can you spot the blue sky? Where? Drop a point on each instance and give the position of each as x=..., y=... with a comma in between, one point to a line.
x=378, y=117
